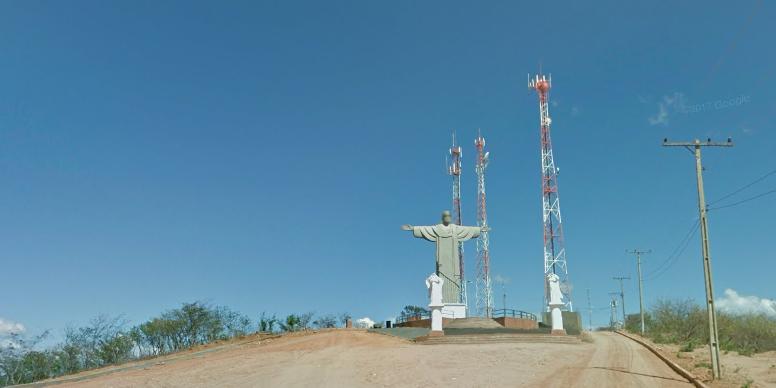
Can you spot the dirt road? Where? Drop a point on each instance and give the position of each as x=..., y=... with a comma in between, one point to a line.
x=360, y=359
x=617, y=362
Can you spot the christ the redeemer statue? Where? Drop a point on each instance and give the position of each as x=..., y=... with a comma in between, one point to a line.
x=446, y=236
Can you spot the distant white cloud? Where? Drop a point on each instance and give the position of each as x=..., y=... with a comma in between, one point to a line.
x=364, y=323
x=8, y=327
x=733, y=303
x=574, y=110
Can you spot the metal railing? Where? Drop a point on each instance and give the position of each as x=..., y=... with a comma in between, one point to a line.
x=512, y=313
x=412, y=317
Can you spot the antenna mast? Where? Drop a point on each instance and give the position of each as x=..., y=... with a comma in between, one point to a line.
x=554, y=249
x=455, y=171
x=483, y=285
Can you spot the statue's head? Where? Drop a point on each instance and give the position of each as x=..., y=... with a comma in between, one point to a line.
x=447, y=218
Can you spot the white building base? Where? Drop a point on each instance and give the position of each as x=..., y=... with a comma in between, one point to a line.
x=454, y=310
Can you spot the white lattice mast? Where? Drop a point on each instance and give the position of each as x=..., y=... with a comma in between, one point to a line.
x=554, y=249
x=455, y=171
x=483, y=286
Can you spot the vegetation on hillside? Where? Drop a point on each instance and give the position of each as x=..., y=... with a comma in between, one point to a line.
x=109, y=340
x=684, y=322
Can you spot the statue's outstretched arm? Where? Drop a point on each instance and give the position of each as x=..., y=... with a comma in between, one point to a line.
x=406, y=227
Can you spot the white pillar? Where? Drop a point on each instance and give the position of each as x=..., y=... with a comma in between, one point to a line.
x=557, y=320
x=556, y=302
x=436, y=320
x=434, y=284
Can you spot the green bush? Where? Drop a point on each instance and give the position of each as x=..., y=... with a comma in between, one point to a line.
x=686, y=323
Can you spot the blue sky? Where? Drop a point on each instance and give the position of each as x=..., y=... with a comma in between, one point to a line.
x=262, y=155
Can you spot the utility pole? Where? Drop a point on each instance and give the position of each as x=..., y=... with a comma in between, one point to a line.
x=622, y=295
x=695, y=148
x=638, y=254
x=589, y=310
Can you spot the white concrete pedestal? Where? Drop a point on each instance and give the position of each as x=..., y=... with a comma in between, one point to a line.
x=557, y=320
x=434, y=284
x=436, y=320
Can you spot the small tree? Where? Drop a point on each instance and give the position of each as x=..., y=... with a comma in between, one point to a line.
x=413, y=311
x=291, y=323
x=305, y=320
x=344, y=318
x=267, y=323
x=19, y=362
x=326, y=321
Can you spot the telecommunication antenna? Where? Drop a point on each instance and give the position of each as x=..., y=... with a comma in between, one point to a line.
x=554, y=249
x=613, y=313
x=455, y=171
x=483, y=285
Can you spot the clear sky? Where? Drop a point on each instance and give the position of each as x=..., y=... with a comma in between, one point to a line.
x=263, y=154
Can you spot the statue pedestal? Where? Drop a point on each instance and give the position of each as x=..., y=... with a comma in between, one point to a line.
x=436, y=320
x=557, y=320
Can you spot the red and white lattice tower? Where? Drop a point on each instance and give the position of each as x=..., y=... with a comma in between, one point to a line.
x=554, y=249
x=483, y=286
x=455, y=171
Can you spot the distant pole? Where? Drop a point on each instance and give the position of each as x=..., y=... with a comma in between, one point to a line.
x=504, y=298
x=589, y=310
x=695, y=147
x=638, y=254
x=622, y=295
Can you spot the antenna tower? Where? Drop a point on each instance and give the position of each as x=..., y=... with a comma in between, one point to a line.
x=455, y=171
x=554, y=249
x=483, y=285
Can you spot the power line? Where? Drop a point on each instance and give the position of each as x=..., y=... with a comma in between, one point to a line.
x=677, y=253
x=744, y=187
x=673, y=256
x=743, y=201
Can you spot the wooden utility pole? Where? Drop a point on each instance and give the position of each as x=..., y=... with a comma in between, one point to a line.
x=622, y=296
x=695, y=148
x=638, y=254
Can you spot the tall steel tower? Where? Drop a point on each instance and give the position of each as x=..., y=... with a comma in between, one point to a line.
x=554, y=249
x=455, y=171
x=483, y=286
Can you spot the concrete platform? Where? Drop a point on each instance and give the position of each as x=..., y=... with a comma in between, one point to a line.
x=472, y=323
x=471, y=339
